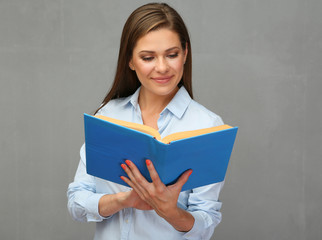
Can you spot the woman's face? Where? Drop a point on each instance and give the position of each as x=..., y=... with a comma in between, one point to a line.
x=158, y=60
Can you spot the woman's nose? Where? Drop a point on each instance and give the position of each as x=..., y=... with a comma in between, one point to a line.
x=161, y=65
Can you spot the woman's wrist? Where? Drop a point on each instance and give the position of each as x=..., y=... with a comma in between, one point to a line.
x=111, y=203
x=181, y=220
x=122, y=199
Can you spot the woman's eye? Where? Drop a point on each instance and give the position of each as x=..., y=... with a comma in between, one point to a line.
x=173, y=55
x=147, y=59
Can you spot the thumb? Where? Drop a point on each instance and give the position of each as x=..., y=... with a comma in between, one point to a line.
x=183, y=179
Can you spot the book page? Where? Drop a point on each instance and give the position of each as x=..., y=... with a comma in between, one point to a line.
x=193, y=133
x=135, y=126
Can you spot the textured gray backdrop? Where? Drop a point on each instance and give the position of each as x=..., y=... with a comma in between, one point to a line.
x=258, y=64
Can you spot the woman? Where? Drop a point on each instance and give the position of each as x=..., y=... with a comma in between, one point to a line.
x=152, y=86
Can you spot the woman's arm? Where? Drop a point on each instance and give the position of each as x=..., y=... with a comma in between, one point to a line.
x=85, y=204
x=82, y=197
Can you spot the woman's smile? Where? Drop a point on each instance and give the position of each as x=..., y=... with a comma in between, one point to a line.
x=162, y=79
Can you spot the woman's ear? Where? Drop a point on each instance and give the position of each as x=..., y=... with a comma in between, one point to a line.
x=131, y=65
x=186, y=53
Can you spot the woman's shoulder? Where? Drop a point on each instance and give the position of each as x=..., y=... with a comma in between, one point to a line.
x=201, y=115
x=114, y=107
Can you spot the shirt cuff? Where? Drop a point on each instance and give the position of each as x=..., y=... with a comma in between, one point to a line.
x=198, y=225
x=91, y=207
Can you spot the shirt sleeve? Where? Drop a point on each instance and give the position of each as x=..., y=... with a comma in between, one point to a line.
x=204, y=206
x=82, y=197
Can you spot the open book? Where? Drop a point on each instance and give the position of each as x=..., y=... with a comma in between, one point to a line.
x=109, y=142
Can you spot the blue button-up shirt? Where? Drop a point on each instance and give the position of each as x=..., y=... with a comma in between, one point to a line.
x=181, y=114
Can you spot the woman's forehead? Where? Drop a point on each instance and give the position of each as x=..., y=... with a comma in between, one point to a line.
x=158, y=40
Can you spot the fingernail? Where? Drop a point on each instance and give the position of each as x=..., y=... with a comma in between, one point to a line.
x=122, y=178
x=123, y=166
x=128, y=162
x=190, y=172
x=148, y=162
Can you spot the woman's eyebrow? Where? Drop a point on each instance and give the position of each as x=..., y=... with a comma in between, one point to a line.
x=173, y=48
x=168, y=50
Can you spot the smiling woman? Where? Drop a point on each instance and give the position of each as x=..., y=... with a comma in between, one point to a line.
x=143, y=21
x=158, y=60
x=152, y=86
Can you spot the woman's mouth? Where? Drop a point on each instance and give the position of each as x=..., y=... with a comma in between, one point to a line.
x=162, y=80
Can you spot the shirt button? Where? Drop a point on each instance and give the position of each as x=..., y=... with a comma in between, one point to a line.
x=126, y=221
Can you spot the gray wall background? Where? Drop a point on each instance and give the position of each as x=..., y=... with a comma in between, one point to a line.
x=258, y=64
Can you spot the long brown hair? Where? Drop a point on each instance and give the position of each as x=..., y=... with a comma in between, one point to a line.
x=147, y=18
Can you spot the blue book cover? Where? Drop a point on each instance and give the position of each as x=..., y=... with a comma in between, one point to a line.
x=108, y=145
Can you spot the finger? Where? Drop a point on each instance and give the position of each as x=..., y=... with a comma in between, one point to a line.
x=136, y=175
x=154, y=175
x=183, y=179
x=131, y=178
x=138, y=181
x=127, y=170
x=128, y=181
x=132, y=185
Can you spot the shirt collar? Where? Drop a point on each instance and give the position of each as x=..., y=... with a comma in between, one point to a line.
x=134, y=99
x=179, y=103
x=177, y=106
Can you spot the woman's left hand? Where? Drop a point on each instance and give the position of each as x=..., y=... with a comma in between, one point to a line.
x=163, y=199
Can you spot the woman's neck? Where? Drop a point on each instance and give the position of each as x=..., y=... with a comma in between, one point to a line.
x=152, y=105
